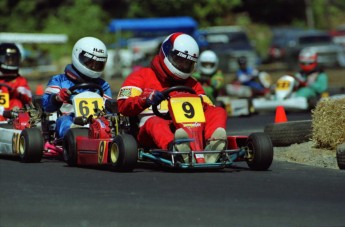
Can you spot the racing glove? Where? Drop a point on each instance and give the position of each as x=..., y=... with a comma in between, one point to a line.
x=151, y=97
x=63, y=95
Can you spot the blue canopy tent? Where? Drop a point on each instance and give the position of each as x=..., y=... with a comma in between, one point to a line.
x=141, y=26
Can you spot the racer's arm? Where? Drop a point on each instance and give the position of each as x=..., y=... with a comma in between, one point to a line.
x=129, y=101
x=321, y=83
x=301, y=81
x=50, y=104
x=248, y=75
x=107, y=90
x=21, y=90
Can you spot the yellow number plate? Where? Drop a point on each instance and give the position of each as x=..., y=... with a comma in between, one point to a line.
x=4, y=100
x=283, y=85
x=187, y=110
x=87, y=106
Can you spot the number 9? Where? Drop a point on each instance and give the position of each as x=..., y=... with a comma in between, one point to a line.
x=188, y=109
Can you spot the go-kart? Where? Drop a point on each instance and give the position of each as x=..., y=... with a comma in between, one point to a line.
x=186, y=111
x=15, y=130
x=105, y=142
x=30, y=132
x=283, y=95
x=17, y=122
x=237, y=89
x=238, y=99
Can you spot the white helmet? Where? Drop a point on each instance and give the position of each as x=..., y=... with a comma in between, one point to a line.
x=208, y=62
x=89, y=56
x=178, y=55
x=307, y=60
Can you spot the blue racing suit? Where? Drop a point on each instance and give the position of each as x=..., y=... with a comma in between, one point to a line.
x=246, y=77
x=55, y=84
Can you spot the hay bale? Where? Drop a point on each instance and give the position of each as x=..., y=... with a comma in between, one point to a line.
x=328, y=123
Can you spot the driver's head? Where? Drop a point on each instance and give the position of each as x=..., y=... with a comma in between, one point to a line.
x=242, y=62
x=178, y=55
x=307, y=60
x=9, y=59
x=208, y=62
x=89, y=56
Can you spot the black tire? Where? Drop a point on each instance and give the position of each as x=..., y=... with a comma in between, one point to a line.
x=6, y=126
x=287, y=133
x=70, y=153
x=341, y=156
x=123, y=153
x=31, y=145
x=260, y=151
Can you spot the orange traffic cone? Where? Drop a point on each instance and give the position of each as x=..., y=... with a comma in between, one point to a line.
x=280, y=115
x=39, y=89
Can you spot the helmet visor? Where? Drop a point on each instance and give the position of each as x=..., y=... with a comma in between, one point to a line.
x=10, y=60
x=182, y=61
x=208, y=65
x=92, y=62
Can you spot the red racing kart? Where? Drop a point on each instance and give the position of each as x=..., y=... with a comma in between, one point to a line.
x=29, y=133
x=185, y=110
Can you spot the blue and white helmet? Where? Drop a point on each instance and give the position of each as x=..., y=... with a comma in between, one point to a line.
x=178, y=55
x=89, y=57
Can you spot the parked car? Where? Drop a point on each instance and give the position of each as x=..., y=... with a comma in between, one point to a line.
x=281, y=36
x=338, y=35
x=329, y=53
x=229, y=43
x=288, y=42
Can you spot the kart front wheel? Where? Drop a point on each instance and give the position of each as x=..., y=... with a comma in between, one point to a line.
x=259, y=151
x=70, y=153
x=123, y=153
x=30, y=145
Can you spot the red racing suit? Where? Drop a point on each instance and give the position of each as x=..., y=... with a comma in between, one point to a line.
x=18, y=91
x=155, y=131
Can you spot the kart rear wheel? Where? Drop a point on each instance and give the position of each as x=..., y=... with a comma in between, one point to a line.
x=341, y=156
x=260, y=151
x=123, y=153
x=70, y=153
x=31, y=145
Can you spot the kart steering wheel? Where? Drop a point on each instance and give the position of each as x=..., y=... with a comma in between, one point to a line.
x=86, y=85
x=166, y=93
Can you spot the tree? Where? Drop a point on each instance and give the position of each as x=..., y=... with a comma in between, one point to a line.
x=78, y=18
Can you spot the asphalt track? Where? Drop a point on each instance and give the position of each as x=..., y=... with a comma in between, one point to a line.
x=51, y=194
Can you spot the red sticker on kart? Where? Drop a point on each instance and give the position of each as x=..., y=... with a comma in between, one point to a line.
x=4, y=100
x=187, y=110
